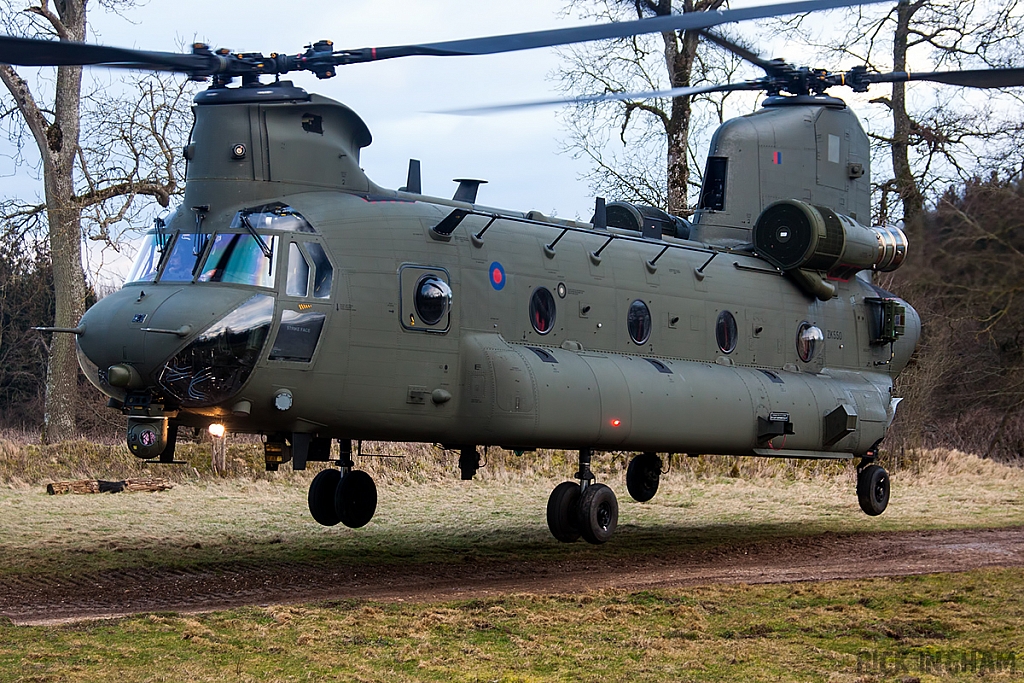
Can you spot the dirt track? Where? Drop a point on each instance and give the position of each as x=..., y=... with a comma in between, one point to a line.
x=53, y=599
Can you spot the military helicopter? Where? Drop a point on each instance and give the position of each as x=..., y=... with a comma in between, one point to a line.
x=291, y=296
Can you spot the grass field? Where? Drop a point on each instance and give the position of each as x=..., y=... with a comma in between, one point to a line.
x=942, y=627
x=961, y=627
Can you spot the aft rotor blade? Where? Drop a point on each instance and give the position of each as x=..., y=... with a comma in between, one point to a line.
x=610, y=97
x=974, y=78
x=769, y=66
x=582, y=34
x=34, y=52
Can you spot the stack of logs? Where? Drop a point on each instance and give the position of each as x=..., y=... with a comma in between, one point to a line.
x=99, y=486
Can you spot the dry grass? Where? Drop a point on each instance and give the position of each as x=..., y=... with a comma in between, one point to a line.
x=427, y=514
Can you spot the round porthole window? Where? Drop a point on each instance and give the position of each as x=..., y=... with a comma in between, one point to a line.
x=809, y=339
x=542, y=310
x=433, y=298
x=638, y=322
x=726, y=332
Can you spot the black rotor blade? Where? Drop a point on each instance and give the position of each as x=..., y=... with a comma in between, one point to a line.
x=973, y=78
x=582, y=34
x=759, y=84
x=34, y=52
x=769, y=66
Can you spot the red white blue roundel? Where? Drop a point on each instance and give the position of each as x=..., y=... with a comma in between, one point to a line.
x=497, y=276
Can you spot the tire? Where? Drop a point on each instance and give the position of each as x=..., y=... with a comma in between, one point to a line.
x=321, y=497
x=563, y=511
x=873, y=489
x=355, y=499
x=643, y=476
x=599, y=514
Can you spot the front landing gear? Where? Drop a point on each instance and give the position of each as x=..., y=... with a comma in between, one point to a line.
x=347, y=496
x=873, y=489
x=585, y=509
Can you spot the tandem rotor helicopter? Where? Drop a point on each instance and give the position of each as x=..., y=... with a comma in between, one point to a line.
x=291, y=296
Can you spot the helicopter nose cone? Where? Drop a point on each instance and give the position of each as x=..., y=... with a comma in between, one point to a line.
x=132, y=332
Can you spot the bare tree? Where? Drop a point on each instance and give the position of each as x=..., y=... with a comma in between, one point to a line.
x=655, y=164
x=101, y=179
x=931, y=142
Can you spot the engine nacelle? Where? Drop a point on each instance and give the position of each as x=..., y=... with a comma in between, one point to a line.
x=794, y=235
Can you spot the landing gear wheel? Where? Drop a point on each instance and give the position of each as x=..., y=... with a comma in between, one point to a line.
x=563, y=511
x=321, y=497
x=599, y=513
x=642, y=476
x=355, y=499
x=873, y=489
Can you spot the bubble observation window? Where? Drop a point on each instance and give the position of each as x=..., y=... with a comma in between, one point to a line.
x=809, y=339
x=638, y=322
x=542, y=310
x=432, y=299
x=726, y=332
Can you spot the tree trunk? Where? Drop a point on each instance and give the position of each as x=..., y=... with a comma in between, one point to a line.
x=906, y=184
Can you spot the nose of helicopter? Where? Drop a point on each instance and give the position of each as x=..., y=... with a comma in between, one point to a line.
x=140, y=327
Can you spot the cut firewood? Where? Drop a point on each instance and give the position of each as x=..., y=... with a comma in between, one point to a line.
x=100, y=486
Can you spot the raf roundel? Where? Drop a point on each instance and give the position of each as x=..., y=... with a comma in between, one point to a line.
x=497, y=275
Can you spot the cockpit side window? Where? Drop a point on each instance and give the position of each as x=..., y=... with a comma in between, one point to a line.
x=324, y=275
x=298, y=272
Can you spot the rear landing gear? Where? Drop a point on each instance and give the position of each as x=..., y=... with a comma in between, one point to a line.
x=873, y=489
x=585, y=509
x=643, y=476
x=346, y=495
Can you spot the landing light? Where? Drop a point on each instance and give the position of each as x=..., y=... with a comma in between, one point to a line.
x=217, y=430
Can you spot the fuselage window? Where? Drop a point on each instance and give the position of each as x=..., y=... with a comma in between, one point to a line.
x=432, y=299
x=638, y=322
x=726, y=332
x=298, y=272
x=324, y=274
x=542, y=310
x=809, y=339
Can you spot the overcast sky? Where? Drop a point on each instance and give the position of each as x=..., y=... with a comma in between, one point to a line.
x=519, y=153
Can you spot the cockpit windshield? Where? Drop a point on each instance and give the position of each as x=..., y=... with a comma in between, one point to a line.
x=151, y=250
x=243, y=255
x=240, y=258
x=181, y=264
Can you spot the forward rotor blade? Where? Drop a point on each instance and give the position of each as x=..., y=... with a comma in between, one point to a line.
x=609, y=97
x=33, y=52
x=582, y=34
x=974, y=78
